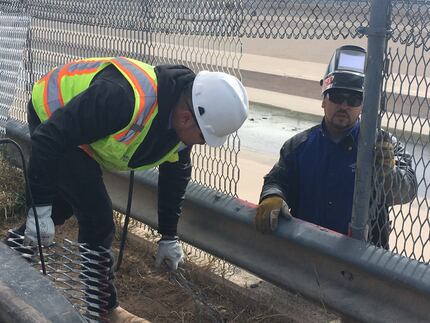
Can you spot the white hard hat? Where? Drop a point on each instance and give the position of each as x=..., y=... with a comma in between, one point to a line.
x=220, y=104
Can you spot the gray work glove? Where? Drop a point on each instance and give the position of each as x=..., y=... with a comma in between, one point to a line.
x=268, y=211
x=46, y=226
x=169, y=250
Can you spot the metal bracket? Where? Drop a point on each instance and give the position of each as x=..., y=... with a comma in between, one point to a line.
x=369, y=31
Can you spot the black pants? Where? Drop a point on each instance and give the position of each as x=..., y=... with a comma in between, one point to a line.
x=81, y=191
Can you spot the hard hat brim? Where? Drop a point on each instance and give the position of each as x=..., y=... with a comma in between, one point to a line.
x=213, y=141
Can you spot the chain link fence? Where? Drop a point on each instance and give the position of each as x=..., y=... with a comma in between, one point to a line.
x=162, y=32
x=210, y=35
x=13, y=35
x=304, y=19
x=405, y=111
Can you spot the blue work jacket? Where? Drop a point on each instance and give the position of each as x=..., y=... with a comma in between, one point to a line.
x=315, y=176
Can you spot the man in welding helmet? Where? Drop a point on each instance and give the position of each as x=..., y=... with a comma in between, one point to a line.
x=314, y=177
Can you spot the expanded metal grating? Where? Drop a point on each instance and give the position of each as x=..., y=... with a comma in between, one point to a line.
x=80, y=272
x=75, y=269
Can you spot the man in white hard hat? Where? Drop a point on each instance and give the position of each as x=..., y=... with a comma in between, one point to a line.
x=121, y=114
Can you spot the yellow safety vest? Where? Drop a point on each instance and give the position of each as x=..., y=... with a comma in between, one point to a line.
x=63, y=83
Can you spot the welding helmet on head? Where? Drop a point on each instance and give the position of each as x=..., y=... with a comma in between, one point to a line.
x=220, y=104
x=345, y=70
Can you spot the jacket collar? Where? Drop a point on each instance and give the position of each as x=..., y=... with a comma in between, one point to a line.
x=350, y=137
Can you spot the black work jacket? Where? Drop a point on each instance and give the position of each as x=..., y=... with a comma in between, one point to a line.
x=103, y=109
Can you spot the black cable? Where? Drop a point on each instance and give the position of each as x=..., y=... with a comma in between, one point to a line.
x=30, y=197
x=126, y=221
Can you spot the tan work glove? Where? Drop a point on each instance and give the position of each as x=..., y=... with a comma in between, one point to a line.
x=268, y=211
x=384, y=154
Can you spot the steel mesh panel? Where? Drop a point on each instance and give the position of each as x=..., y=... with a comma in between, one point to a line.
x=79, y=272
x=12, y=6
x=411, y=23
x=405, y=113
x=304, y=19
x=13, y=35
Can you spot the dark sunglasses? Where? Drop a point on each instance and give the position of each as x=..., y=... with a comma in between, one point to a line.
x=351, y=99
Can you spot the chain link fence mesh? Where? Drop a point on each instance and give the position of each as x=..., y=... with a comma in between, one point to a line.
x=405, y=112
x=162, y=32
x=209, y=35
x=13, y=35
x=304, y=19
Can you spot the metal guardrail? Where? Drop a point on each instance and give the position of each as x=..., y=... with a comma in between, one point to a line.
x=347, y=275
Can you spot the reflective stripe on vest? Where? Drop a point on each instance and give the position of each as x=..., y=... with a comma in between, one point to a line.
x=141, y=82
x=146, y=87
x=52, y=98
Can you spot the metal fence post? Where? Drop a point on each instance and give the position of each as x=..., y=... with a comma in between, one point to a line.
x=376, y=44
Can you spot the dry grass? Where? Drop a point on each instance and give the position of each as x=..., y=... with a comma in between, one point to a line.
x=12, y=193
x=150, y=293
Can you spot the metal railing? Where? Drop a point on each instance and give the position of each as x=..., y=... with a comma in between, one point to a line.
x=349, y=276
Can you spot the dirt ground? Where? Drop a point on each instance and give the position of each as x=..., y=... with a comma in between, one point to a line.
x=199, y=294
x=152, y=293
x=12, y=198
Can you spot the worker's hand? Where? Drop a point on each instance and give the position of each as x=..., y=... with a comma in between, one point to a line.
x=46, y=226
x=268, y=211
x=169, y=250
x=384, y=154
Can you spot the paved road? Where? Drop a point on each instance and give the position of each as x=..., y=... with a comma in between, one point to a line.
x=407, y=93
